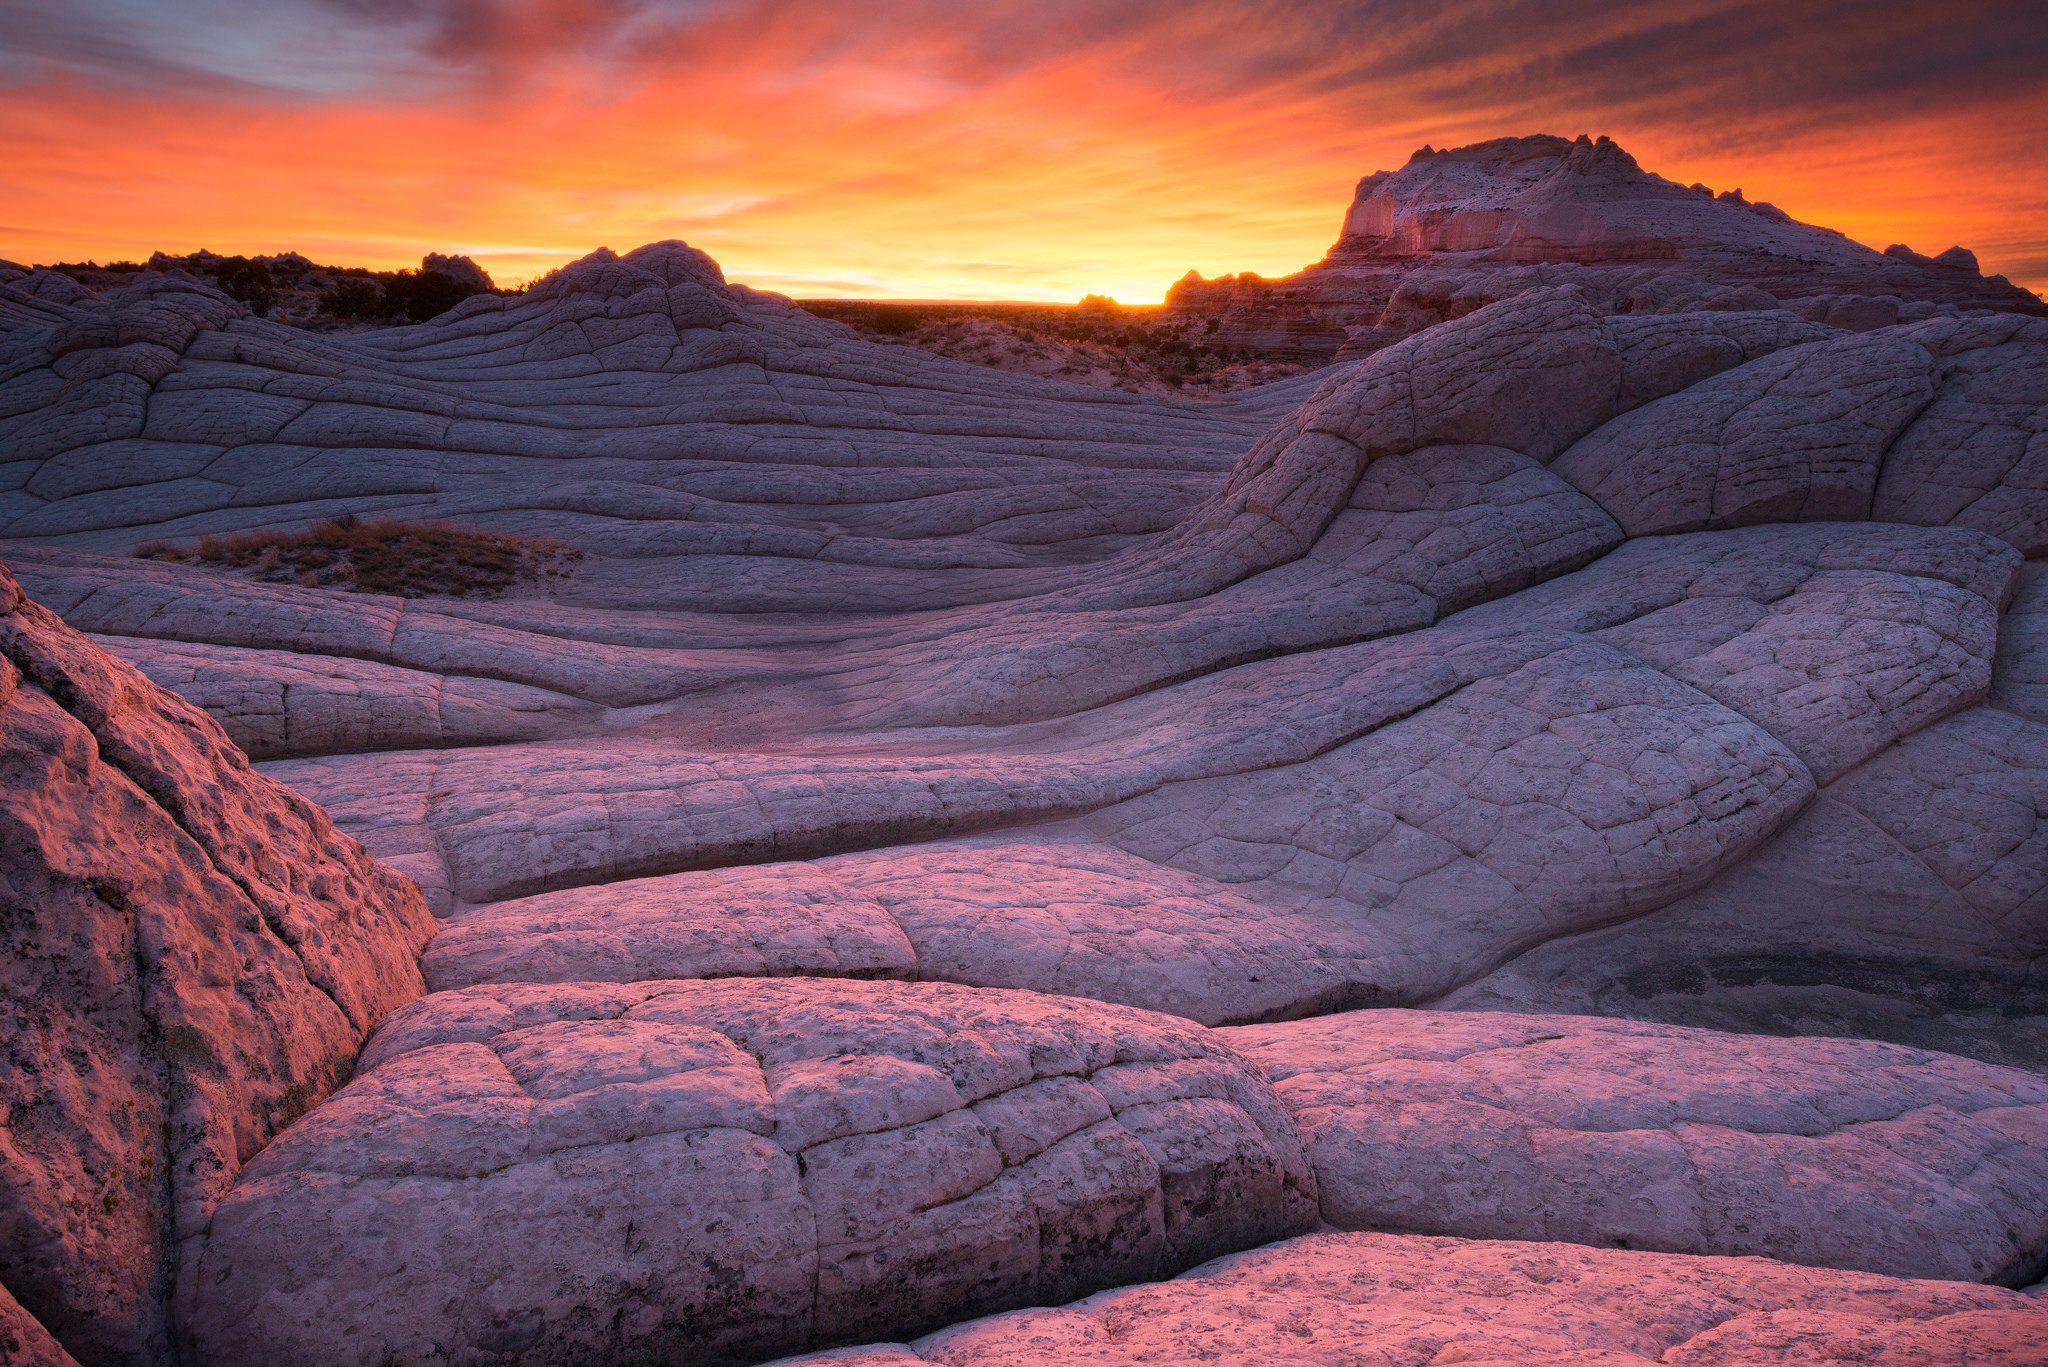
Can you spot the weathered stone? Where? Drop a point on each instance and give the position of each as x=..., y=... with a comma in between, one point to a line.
x=1832, y=1153
x=193, y=956
x=1377, y=1298
x=722, y=1170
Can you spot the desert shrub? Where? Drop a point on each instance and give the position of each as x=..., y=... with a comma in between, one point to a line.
x=894, y=320
x=420, y=295
x=354, y=298
x=414, y=296
x=246, y=280
x=409, y=559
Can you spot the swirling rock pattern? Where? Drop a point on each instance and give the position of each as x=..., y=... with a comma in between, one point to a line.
x=882, y=884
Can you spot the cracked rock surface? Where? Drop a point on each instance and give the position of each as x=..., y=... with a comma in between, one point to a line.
x=714, y=1171
x=193, y=956
x=1827, y=1152
x=1382, y=1299
x=959, y=842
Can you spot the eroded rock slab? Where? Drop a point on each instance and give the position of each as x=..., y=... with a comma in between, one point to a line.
x=1832, y=1153
x=274, y=703
x=1053, y=913
x=1380, y=1300
x=1800, y=435
x=2020, y=683
x=1909, y=903
x=1978, y=454
x=723, y=1170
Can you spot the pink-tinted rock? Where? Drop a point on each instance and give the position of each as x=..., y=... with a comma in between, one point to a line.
x=1378, y=1300
x=1345, y=692
x=24, y=1342
x=722, y=1170
x=275, y=702
x=1460, y=228
x=193, y=956
x=1834, y=1153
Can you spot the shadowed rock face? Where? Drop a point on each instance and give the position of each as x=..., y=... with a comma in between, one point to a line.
x=194, y=955
x=1832, y=1153
x=840, y=875
x=1455, y=230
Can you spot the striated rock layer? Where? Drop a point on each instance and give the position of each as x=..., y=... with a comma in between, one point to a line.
x=843, y=872
x=711, y=1172
x=1825, y=1152
x=714, y=1171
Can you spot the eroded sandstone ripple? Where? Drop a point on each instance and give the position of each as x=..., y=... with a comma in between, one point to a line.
x=959, y=842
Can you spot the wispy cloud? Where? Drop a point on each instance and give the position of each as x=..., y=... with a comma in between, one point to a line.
x=1033, y=148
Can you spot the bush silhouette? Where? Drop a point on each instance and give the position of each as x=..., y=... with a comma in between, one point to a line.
x=354, y=298
x=420, y=295
x=246, y=280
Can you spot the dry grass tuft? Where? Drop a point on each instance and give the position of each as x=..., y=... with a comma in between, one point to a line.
x=409, y=559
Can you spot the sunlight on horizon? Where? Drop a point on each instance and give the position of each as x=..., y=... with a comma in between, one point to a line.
x=918, y=152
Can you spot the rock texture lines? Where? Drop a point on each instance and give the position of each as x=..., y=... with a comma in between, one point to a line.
x=194, y=956
x=1558, y=804
x=740, y=1167
x=1380, y=1301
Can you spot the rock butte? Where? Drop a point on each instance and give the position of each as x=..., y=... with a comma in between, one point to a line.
x=1527, y=845
x=1457, y=229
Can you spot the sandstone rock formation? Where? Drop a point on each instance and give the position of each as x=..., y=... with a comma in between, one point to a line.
x=1830, y=1153
x=24, y=1341
x=1455, y=230
x=193, y=956
x=460, y=269
x=729, y=427
x=1376, y=1299
x=841, y=875
x=709, y=1172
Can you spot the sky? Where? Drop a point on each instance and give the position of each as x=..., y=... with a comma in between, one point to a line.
x=974, y=149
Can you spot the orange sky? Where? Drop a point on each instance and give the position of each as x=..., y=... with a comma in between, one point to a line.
x=913, y=148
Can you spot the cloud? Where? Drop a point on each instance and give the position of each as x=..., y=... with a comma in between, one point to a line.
x=1040, y=148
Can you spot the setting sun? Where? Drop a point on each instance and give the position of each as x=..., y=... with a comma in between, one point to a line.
x=1002, y=151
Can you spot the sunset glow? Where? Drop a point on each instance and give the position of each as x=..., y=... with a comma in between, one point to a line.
x=1004, y=150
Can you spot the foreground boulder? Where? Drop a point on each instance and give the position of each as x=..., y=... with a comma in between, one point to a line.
x=714, y=1171
x=24, y=1342
x=192, y=956
x=1829, y=1152
x=1377, y=1300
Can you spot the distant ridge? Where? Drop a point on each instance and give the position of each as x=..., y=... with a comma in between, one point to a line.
x=1457, y=229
